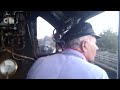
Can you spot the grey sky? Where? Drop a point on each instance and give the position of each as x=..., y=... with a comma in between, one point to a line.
x=104, y=21
x=101, y=22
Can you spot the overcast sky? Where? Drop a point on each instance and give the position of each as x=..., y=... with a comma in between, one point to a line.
x=101, y=22
x=104, y=21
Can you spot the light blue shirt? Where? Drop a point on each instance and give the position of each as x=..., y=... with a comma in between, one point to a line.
x=70, y=64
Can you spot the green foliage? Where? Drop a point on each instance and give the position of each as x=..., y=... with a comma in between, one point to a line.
x=108, y=41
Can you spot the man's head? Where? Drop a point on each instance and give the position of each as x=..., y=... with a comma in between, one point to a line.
x=88, y=47
x=82, y=38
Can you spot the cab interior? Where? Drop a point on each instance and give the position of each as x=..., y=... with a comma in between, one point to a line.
x=18, y=34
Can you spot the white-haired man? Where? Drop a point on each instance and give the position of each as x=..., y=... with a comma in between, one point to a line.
x=74, y=62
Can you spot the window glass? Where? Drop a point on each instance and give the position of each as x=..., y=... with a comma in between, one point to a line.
x=44, y=36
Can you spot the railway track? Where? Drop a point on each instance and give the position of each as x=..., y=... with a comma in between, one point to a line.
x=108, y=61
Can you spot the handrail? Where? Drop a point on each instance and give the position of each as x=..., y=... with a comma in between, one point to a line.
x=118, y=67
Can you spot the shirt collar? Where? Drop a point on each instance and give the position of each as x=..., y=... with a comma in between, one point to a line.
x=74, y=52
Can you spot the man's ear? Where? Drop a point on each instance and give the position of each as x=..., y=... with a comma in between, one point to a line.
x=83, y=46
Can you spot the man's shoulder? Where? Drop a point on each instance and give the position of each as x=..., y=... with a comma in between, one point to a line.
x=98, y=71
x=57, y=55
x=55, y=58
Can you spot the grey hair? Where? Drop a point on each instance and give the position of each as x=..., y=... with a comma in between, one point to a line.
x=75, y=43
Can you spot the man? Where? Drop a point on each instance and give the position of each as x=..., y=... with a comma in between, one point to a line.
x=75, y=61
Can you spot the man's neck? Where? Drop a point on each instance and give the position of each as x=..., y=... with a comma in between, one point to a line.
x=79, y=50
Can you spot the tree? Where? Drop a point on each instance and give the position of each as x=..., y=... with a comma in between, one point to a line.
x=108, y=41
